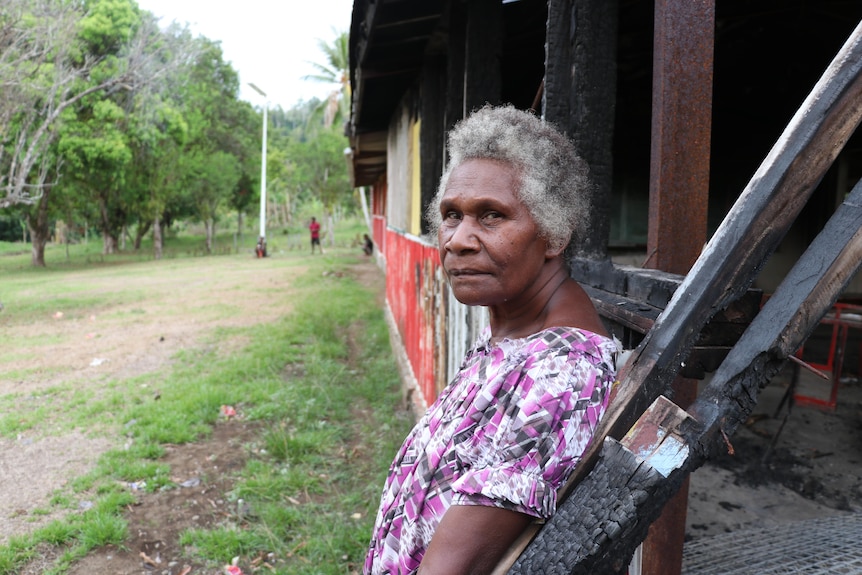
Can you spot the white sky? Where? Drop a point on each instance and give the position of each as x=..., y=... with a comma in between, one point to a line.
x=268, y=42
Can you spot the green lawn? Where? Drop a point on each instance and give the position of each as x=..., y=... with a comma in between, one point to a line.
x=320, y=381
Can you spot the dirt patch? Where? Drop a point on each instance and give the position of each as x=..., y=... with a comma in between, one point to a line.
x=809, y=468
x=32, y=469
x=171, y=309
x=205, y=474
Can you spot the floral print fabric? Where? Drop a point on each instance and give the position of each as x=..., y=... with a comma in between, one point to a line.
x=506, y=432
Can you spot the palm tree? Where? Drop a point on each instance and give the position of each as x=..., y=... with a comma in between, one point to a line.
x=335, y=71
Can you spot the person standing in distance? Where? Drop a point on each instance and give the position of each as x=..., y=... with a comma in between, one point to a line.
x=314, y=228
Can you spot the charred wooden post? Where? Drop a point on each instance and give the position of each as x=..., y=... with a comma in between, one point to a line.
x=739, y=248
x=580, y=98
x=432, y=135
x=456, y=45
x=646, y=465
x=484, y=43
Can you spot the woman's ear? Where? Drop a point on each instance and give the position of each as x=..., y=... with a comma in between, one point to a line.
x=553, y=250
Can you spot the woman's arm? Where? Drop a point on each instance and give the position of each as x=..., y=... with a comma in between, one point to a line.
x=471, y=540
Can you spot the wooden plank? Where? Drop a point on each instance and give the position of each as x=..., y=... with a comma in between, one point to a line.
x=630, y=474
x=629, y=320
x=656, y=440
x=652, y=288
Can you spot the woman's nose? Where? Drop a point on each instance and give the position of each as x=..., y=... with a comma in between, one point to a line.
x=462, y=237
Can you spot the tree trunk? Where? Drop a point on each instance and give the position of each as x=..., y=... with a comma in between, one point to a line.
x=109, y=238
x=142, y=230
x=38, y=240
x=210, y=228
x=157, y=238
x=109, y=244
x=37, y=224
x=239, y=224
x=330, y=221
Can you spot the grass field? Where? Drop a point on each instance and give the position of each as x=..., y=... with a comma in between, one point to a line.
x=296, y=344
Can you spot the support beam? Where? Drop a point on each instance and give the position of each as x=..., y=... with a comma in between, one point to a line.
x=482, y=75
x=679, y=196
x=681, y=127
x=579, y=98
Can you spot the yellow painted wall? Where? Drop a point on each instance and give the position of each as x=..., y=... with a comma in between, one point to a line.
x=415, y=186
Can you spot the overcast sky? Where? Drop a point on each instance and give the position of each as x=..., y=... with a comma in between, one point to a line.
x=268, y=42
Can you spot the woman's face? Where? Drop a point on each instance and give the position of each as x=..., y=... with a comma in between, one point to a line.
x=489, y=243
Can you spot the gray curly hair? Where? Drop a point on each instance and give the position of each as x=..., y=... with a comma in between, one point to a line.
x=553, y=178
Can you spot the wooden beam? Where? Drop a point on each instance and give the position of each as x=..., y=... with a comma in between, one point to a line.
x=630, y=474
x=579, y=97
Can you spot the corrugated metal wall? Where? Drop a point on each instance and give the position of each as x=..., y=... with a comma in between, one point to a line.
x=415, y=294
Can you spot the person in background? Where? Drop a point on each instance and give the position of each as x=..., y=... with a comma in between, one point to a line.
x=489, y=455
x=314, y=228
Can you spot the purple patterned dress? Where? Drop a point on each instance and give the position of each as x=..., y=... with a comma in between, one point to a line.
x=505, y=433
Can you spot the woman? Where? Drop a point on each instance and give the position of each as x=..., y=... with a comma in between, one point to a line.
x=489, y=455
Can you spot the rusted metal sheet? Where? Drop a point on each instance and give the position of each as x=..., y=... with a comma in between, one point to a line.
x=681, y=126
x=679, y=193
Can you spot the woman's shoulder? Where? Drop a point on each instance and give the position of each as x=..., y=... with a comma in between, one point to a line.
x=558, y=339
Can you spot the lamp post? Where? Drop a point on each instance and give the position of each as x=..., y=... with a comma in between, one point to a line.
x=262, y=165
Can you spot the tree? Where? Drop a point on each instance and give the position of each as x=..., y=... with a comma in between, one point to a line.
x=53, y=54
x=211, y=177
x=336, y=71
x=247, y=150
x=96, y=150
x=222, y=132
x=58, y=60
x=156, y=174
x=316, y=170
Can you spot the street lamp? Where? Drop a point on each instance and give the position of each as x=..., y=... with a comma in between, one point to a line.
x=262, y=165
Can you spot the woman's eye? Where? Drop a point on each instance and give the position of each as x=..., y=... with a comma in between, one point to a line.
x=450, y=215
x=492, y=216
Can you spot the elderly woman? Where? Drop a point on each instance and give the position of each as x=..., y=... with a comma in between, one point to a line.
x=489, y=455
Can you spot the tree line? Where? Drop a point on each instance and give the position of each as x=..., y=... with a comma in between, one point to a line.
x=111, y=122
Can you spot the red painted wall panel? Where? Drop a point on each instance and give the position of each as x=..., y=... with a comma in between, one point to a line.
x=412, y=272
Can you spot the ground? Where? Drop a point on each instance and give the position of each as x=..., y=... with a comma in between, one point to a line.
x=814, y=469
x=184, y=304
x=809, y=468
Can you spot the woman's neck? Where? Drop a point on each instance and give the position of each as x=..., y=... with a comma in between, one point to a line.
x=534, y=314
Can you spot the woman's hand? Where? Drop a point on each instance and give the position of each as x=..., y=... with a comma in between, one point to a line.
x=471, y=540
